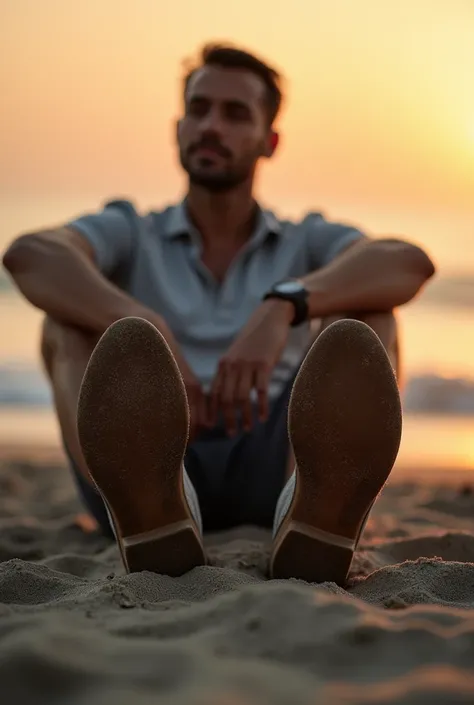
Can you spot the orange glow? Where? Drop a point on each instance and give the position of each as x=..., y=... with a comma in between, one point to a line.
x=377, y=130
x=380, y=101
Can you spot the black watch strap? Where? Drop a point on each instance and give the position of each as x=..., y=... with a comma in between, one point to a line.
x=299, y=301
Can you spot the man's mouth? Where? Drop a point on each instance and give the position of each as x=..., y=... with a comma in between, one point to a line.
x=208, y=152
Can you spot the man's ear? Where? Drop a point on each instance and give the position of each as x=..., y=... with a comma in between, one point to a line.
x=271, y=144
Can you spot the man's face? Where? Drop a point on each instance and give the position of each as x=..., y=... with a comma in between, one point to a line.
x=224, y=130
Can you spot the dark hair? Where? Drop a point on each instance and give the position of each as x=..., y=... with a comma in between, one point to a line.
x=227, y=56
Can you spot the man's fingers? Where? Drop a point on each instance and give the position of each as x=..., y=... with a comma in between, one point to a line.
x=214, y=397
x=231, y=393
x=227, y=397
x=262, y=382
x=243, y=390
x=202, y=410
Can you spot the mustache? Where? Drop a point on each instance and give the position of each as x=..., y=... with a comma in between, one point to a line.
x=209, y=143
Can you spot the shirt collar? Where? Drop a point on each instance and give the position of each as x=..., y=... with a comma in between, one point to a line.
x=178, y=224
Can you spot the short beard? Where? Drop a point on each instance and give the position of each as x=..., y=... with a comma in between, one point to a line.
x=215, y=183
x=220, y=183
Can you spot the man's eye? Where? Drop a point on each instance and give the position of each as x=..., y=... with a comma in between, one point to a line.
x=198, y=109
x=237, y=113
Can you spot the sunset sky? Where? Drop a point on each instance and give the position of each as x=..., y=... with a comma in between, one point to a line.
x=378, y=126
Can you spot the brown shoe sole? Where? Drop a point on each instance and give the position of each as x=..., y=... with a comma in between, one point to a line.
x=133, y=422
x=345, y=425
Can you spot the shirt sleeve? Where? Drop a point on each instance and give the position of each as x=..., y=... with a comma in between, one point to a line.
x=110, y=232
x=325, y=240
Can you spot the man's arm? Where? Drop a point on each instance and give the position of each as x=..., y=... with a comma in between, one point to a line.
x=57, y=272
x=369, y=275
x=364, y=275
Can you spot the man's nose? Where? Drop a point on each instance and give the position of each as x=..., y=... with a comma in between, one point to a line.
x=212, y=122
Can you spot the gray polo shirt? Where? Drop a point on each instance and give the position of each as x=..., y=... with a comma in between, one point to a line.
x=156, y=258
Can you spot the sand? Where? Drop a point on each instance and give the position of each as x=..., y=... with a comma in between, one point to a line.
x=74, y=629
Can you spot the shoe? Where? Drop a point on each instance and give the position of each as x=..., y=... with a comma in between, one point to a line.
x=345, y=424
x=133, y=425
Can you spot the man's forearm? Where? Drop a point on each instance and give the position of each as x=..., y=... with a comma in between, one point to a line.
x=376, y=275
x=67, y=286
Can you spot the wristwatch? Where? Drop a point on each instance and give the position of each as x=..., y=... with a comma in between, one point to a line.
x=294, y=291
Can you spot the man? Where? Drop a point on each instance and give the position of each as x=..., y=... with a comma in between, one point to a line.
x=203, y=312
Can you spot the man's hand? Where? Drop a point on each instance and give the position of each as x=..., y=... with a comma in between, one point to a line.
x=248, y=364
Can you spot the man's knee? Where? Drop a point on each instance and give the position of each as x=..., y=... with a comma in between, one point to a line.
x=385, y=324
x=65, y=342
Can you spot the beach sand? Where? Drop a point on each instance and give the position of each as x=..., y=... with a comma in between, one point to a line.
x=74, y=629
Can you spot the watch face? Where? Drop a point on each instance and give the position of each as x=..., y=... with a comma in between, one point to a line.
x=289, y=287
